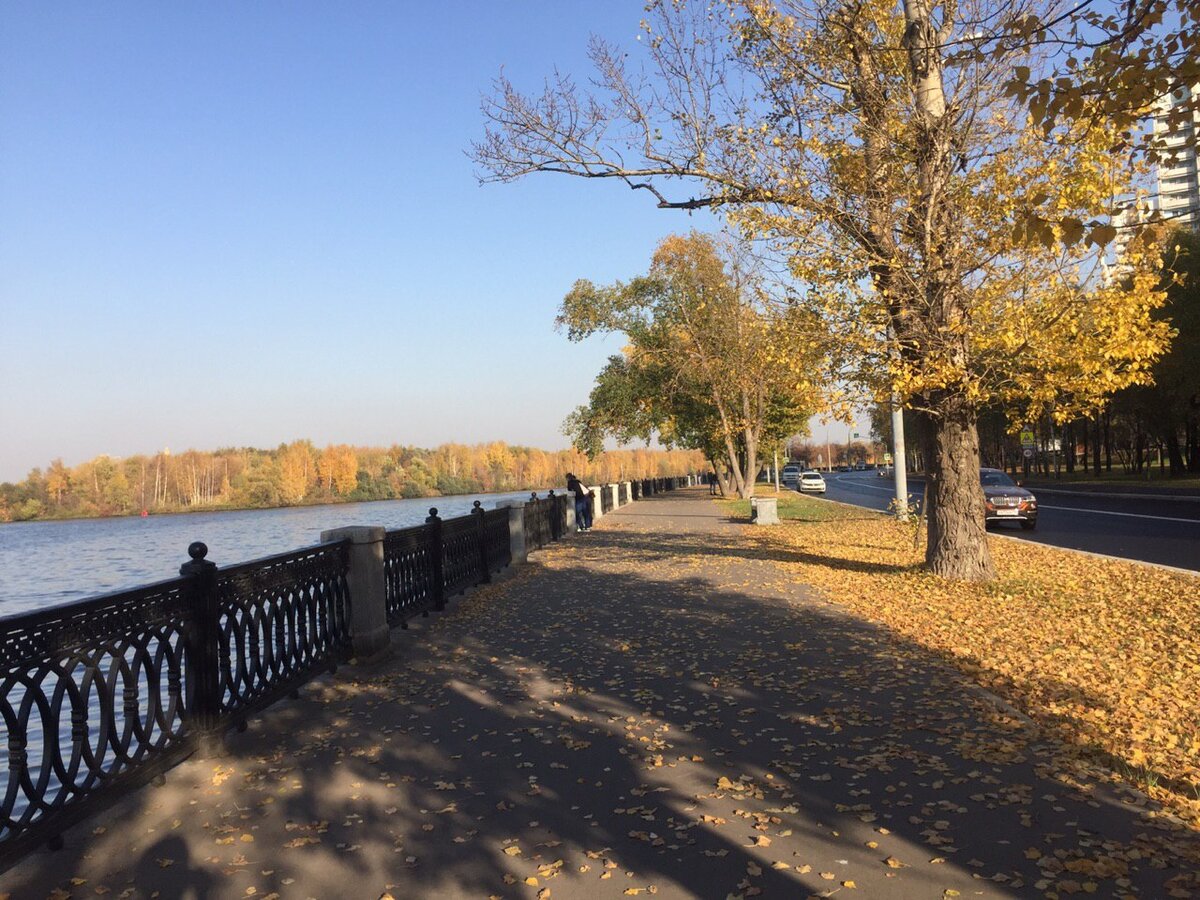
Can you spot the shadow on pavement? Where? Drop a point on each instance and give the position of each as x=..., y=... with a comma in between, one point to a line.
x=634, y=710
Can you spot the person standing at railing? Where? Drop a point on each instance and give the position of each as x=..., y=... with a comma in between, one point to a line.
x=583, y=499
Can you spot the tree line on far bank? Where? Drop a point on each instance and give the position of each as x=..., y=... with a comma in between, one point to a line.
x=300, y=473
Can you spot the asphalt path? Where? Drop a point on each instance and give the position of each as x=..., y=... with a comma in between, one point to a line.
x=1151, y=530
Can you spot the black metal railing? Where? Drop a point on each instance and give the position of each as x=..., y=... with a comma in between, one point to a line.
x=538, y=514
x=281, y=620
x=496, y=540
x=408, y=573
x=103, y=694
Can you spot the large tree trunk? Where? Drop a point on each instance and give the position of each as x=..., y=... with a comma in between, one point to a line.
x=957, y=539
x=750, y=475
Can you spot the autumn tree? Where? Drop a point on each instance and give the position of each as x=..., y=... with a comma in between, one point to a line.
x=296, y=469
x=709, y=361
x=877, y=150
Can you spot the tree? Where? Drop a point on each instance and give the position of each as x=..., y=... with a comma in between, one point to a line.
x=295, y=470
x=1171, y=406
x=58, y=481
x=878, y=152
x=709, y=362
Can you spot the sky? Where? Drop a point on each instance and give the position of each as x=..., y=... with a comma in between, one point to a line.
x=229, y=224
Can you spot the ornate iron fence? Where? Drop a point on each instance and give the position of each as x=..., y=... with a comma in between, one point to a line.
x=93, y=701
x=101, y=695
x=408, y=574
x=496, y=540
x=537, y=524
x=282, y=620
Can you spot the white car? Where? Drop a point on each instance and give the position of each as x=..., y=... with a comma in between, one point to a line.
x=811, y=482
x=790, y=475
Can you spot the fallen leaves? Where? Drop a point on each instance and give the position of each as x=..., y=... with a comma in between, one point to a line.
x=1104, y=654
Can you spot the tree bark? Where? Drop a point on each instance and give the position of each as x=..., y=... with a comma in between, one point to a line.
x=957, y=539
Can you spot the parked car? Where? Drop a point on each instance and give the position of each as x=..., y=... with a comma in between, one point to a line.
x=812, y=482
x=789, y=475
x=1006, y=501
x=860, y=467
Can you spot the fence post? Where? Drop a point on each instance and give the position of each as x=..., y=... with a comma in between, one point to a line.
x=569, y=523
x=556, y=517
x=434, y=526
x=370, y=636
x=481, y=535
x=516, y=530
x=204, y=650
x=597, y=495
x=616, y=496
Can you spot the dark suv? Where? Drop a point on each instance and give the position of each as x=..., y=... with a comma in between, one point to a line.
x=1007, y=501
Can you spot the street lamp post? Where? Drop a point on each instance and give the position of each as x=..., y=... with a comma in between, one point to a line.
x=899, y=463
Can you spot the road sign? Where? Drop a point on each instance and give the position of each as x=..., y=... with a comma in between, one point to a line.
x=1027, y=440
x=887, y=458
x=1028, y=453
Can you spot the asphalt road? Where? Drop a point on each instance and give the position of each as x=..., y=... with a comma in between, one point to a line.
x=1151, y=530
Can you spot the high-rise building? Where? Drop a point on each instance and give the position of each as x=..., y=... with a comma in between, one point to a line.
x=1177, y=175
x=1175, y=195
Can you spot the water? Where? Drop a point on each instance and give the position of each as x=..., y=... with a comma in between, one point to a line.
x=47, y=563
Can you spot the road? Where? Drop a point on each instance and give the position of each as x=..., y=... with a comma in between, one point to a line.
x=1150, y=530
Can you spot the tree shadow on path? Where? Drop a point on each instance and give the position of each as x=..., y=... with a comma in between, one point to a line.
x=630, y=712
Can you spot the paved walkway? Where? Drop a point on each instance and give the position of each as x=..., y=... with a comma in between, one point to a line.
x=645, y=708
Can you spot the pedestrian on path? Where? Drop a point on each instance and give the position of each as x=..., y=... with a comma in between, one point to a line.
x=583, y=497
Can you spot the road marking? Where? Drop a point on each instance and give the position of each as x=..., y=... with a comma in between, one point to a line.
x=1099, y=512
x=1106, y=512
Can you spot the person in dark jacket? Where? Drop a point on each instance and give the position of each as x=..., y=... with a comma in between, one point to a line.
x=583, y=502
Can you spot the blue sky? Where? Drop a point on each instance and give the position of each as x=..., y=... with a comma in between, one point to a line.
x=229, y=223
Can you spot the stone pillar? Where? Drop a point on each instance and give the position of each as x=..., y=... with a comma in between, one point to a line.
x=516, y=529
x=764, y=511
x=572, y=525
x=615, y=491
x=597, y=505
x=628, y=491
x=369, y=633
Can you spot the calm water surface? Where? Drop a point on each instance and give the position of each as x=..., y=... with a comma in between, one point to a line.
x=46, y=563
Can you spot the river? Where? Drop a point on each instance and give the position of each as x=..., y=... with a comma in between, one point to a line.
x=46, y=563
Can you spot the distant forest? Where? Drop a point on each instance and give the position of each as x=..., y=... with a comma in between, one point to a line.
x=299, y=473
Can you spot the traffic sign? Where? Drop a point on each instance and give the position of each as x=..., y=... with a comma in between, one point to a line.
x=1028, y=453
x=1027, y=440
x=887, y=458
